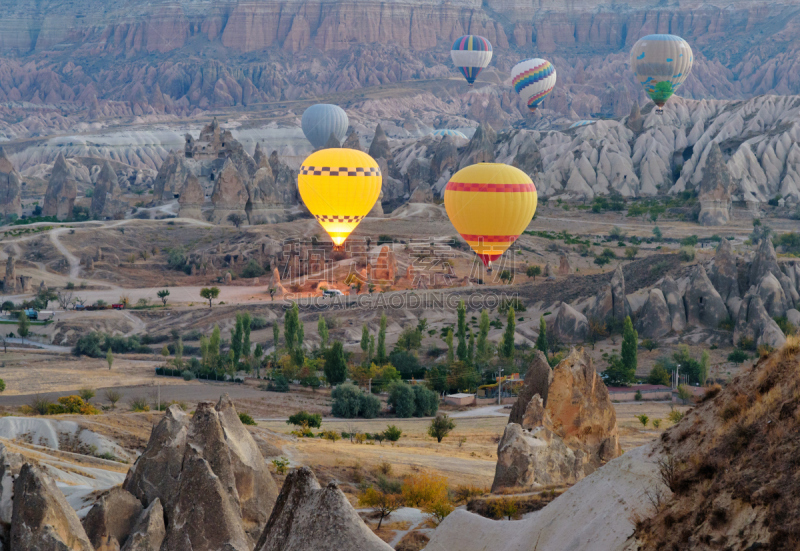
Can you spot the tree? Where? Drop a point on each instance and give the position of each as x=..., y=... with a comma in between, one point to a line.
x=541, y=340
x=209, y=293
x=236, y=219
x=335, y=364
x=109, y=358
x=471, y=348
x=616, y=373
x=658, y=376
x=312, y=420
x=508, y=336
x=163, y=294
x=113, y=396
x=371, y=350
x=45, y=296
x=410, y=339
x=380, y=356
x=276, y=332
x=461, y=352
x=322, y=329
x=483, y=338
x=506, y=276
x=630, y=252
x=704, y=367
x=657, y=233
x=290, y=323
x=246, y=326
x=23, y=326
x=440, y=427
x=257, y=354
x=402, y=400
x=449, y=340
x=365, y=344
x=533, y=271
x=382, y=503
x=64, y=299
x=212, y=349
x=630, y=347
x=236, y=340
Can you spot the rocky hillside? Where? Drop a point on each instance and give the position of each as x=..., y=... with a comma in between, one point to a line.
x=127, y=58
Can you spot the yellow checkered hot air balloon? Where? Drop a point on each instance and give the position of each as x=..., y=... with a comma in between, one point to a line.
x=490, y=205
x=339, y=187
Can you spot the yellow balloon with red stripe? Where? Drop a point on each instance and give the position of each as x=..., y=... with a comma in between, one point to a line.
x=490, y=205
x=339, y=186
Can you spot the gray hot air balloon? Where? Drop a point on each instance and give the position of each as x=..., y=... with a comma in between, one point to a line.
x=322, y=120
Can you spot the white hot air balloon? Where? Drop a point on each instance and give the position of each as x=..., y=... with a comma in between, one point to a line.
x=534, y=80
x=660, y=63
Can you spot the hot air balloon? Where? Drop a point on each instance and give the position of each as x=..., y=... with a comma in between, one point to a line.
x=322, y=120
x=448, y=132
x=490, y=205
x=470, y=54
x=661, y=62
x=339, y=187
x=533, y=80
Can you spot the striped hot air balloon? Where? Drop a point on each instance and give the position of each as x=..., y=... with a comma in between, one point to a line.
x=533, y=80
x=470, y=54
x=660, y=63
x=321, y=120
x=490, y=205
x=448, y=132
x=339, y=187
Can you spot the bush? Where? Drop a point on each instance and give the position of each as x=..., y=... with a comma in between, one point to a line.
x=247, y=419
x=331, y=435
x=313, y=420
x=686, y=254
x=649, y=344
x=350, y=402
x=256, y=323
x=40, y=405
x=369, y=406
x=281, y=465
x=187, y=375
x=392, y=433
x=402, y=399
x=87, y=394
x=738, y=356
x=278, y=384
x=426, y=402
x=2, y=385
x=253, y=269
x=659, y=376
x=675, y=416
x=72, y=404
x=139, y=404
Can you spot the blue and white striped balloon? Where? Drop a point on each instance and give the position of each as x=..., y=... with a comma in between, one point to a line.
x=321, y=120
x=448, y=132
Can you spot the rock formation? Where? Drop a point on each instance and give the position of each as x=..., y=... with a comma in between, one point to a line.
x=42, y=519
x=724, y=275
x=443, y=162
x=352, y=141
x=563, y=439
x=106, y=201
x=537, y=381
x=766, y=261
x=422, y=194
x=772, y=296
x=192, y=198
x=654, y=320
x=10, y=187
x=59, y=198
x=385, y=269
x=170, y=178
x=230, y=195
x=332, y=143
x=307, y=516
x=563, y=265
x=703, y=304
x=205, y=470
x=110, y=520
x=528, y=157
x=677, y=310
x=379, y=148
x=635, y=121
x=10, y=465
x=480, y=148
x=10, y=281
x=612, y=303
x=754, y=323
x=569, y=325
x=275, y=283
x=149, y=531
x=715, y=188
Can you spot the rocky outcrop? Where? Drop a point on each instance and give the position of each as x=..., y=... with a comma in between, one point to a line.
x=191, y=200
x=110, y=520
x=352, y=141
x=332, y=143
x=537, y=382
x=59, y=199
x=563, y=265
x=754, y=323
x=230, y=195
x=569, y=325
x=42, y=519
x=635, y=121
x=703, y=304
x=379, y=148
x=528, y=157
x=10, y=281
x=564, y=439
x=715, y=188
x=612, y=303
x=149, y=531
x=422, y=194
x=170, y=178
x=385, y=269
x=724, y=274
x=444, y=161
x=654, y=320
x=106, y=201
x=677, y=310
x=772, y=295
x=307, y=516
x=480, y=148
x=285, y=180
x=766, y=261
x=10, y=465
x=10, y=187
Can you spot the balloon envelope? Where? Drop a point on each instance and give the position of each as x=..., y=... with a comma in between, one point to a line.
x=448, y=132
x=321, y=120
x=660, y=63
x=339, y=187
x=534, y=80
x=490, y=205
x=471, y=53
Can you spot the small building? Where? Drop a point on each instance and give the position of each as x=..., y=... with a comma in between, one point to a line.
x=649, y=392
x=460, y=399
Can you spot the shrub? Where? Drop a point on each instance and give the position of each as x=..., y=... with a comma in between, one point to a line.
x=86, y=394
x=738, y=356
x=72, y=404
x=281, y=465
x=252, y=269
x=638, y=396
x=675, y=416
x=313, y=420
x=440, y=427
x=346, y=401
x=747, y=343
x=331, y=435
x=278, y=384
x=369, y=406
x=40, y=404
x=426, y=401
x=392, y=433
x=2, y=385
x=727, y=324
x=649, y=344
x=139, y=404
x=686, y=254
x=785, y=325
x=658, y=376
x=187, y=375
x=401, y=399
x=656, y=423
x=247, y=419
x=643, y=419
x=256, y=323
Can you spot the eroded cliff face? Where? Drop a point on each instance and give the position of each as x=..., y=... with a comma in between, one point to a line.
x=176, y=56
